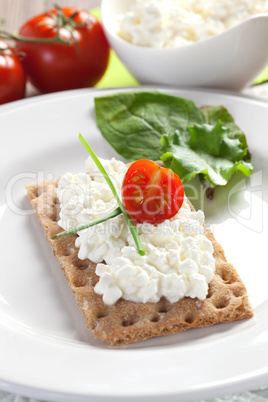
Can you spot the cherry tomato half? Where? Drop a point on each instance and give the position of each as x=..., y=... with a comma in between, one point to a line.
x=12, y=76
x=56, y=66
x=150, y=193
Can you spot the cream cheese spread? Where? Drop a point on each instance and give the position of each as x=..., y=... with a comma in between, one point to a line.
x=178, y=259
x=172, y=23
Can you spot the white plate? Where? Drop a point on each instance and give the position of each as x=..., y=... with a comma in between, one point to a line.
x=45, y=350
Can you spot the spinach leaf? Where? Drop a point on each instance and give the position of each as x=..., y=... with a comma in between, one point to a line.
x=134, y=122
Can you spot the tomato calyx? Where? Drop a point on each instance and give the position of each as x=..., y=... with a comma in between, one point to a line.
x=68, y=22
x=58, y=21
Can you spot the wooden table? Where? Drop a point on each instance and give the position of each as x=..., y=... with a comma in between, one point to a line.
x=16, y=12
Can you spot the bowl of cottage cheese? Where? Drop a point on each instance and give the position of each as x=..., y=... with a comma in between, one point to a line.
x=204, y=43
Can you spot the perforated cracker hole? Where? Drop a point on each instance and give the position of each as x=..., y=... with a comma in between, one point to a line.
x=38, y=191
x=102, y=314
x=128, y=322
x=222, y=303
x=67, y=252
x=162, y=309
x=63, y=245
x=238, y=291
x=56, y=201
x=156, y=318
x=80, y=281
x=210, y=293
x=54, y=216
x=81, y=264
x=189, y=318
x=227, y=277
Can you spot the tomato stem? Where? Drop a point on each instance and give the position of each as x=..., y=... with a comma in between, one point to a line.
x=11, y=51
x=20, y=38
x=129, y=221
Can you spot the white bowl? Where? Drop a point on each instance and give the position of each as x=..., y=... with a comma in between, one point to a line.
x=230, y=60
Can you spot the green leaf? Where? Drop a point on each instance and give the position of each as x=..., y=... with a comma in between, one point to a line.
x=133, y=122
x=202, y=154
x=216, y=140
x=203, y=141
x=215, y=113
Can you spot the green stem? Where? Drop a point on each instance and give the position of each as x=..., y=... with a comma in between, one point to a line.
x=110, y=184
x=11, y=50
x=112, y=214
x=17, y=37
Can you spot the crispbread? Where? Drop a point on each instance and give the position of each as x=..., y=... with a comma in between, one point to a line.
x=126, y=322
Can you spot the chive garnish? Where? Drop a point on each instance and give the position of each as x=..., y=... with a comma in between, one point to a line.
x=112, y=214
x=116, y=212
x=129, y=221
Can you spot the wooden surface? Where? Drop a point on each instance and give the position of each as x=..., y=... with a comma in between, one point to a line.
x=16, y=12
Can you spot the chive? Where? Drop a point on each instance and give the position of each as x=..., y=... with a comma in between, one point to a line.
x=130, y=223
x=112, y=214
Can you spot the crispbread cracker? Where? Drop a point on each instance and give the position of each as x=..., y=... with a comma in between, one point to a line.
x=126, y=322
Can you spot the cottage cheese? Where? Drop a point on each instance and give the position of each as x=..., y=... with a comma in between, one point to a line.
x=178, y=259
x=172, y=23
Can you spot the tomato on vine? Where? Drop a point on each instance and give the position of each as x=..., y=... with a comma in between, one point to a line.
x=150, y=193
x=64, y=49
x=12, y=76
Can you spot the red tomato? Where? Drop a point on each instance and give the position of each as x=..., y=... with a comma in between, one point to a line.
x=55, y=66
x=150, y=193
x=12, y=76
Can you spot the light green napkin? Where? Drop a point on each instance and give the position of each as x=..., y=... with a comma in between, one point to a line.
x=263, y=77
x=116, y=74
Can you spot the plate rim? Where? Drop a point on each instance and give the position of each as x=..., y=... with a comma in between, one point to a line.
x=32, y=392
x=46, y=97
